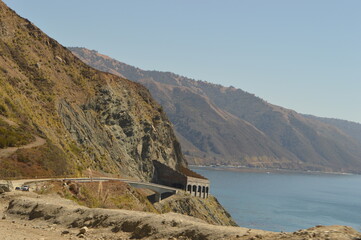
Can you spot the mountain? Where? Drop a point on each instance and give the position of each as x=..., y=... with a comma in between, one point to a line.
x=351, y=128
x=59, y=116
x=225, y=125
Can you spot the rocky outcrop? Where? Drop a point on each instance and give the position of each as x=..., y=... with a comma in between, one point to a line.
x=140, y=225
x=110, y=128
x=90, y=119
x=209, y=209
x=5, y=186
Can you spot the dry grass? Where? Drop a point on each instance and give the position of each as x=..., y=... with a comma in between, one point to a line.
x=112, y=194
x=44, y=161
x=12, y=136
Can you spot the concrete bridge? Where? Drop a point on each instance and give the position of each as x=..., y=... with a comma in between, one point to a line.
x=158, y=189
x=169, y=182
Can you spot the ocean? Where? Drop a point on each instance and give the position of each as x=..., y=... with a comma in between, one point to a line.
x=287, y=201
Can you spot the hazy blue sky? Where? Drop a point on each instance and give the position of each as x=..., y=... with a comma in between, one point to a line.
x=303, y=55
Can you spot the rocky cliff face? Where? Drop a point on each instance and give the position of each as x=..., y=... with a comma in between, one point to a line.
x=88, y=119
x=225, y=125
x=197, y=207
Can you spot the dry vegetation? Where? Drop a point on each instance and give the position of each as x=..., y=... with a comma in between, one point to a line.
x=44, y=161
x=120, y=195
x=13, y=136
x=111, y=194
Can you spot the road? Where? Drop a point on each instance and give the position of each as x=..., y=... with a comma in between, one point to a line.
x=157, y=188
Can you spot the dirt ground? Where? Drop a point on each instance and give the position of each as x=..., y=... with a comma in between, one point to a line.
x=26, y=215
x=15, y=227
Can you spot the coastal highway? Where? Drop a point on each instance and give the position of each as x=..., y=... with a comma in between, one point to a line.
x=157, y=188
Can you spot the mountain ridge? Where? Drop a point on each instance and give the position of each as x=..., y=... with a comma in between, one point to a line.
x=225, y=125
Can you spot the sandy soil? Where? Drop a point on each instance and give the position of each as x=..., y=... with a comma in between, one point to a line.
x=17, y=227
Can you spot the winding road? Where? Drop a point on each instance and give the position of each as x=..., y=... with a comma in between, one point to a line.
x=157, y=188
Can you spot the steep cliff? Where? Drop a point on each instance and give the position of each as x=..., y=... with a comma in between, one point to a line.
x=83, y=118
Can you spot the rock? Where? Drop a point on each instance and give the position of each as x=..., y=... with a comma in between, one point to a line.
x=83, y=230
x=5, y=186
x=59, y=58
x=65, y=232
x=3, y=217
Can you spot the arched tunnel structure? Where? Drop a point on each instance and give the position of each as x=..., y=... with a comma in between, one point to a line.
x=183, y=178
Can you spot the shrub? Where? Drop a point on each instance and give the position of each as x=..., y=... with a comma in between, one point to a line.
x=13, y=137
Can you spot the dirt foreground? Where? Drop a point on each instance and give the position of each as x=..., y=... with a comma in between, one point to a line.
x=26, y=215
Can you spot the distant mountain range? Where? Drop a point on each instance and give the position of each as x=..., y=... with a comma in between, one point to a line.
x=225, y=125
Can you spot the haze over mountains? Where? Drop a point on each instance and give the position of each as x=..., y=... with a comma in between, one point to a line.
x=225, y=125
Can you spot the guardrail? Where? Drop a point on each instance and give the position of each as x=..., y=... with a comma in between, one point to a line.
x=156, y=188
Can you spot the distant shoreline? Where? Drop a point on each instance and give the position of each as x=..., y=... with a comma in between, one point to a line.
x=263, y=170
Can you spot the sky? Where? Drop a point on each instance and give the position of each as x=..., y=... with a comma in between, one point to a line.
x=302, y=55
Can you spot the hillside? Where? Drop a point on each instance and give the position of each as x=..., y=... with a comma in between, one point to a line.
x=77, y=118
x=351, y=128
x=225, y=125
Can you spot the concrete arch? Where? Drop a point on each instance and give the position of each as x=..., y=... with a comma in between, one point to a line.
x=189, y=188
x=194, y=190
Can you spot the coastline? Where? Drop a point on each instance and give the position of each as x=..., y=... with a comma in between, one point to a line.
x=281, y=200
x=264, y=170
x=50, y=217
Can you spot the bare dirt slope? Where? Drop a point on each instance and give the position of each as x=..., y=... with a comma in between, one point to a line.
x=30, y=216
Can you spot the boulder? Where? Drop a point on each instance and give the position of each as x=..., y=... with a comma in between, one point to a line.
x=5, y=186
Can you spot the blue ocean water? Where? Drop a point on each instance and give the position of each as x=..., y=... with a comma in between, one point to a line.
x=287, y=201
